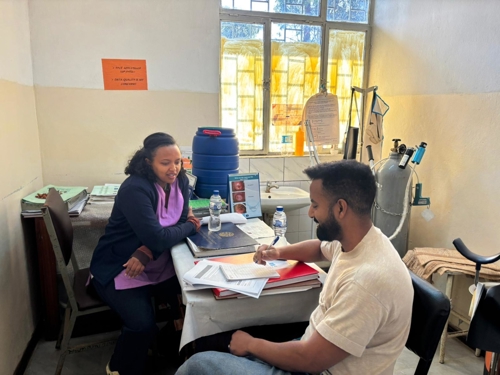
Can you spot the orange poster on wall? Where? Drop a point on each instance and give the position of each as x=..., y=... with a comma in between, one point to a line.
x=124, y=74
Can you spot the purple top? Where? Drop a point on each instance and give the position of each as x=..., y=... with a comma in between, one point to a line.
x=162, y=268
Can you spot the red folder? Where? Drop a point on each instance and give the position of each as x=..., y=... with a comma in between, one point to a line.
x=296, y=272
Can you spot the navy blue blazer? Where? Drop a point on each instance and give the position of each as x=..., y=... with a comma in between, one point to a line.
x=133, y=223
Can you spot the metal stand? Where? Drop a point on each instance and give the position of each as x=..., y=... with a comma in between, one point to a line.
x=363, y=93
x=313, y=152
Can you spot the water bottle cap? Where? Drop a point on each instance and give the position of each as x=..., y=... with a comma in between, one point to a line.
x=279, y=208
x=216, y=192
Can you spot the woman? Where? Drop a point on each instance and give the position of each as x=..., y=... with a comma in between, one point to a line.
x=132, y=259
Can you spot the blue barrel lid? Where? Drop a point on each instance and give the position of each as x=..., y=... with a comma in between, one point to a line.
x=224, y=132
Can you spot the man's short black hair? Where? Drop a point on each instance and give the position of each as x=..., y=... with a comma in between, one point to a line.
x=349, y=180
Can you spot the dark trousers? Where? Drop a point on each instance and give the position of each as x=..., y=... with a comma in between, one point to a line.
x=136, y=310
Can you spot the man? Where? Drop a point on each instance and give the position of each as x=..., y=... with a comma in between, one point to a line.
x=363, y=318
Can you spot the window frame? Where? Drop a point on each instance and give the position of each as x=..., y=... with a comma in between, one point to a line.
x=267, y=19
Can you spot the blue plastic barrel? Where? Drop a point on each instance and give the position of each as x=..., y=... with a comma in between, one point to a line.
x=215, y=156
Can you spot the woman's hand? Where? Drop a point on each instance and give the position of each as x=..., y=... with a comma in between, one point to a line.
x=239, y=343
x=133, y=267
x=264, y=253
x=195, y=221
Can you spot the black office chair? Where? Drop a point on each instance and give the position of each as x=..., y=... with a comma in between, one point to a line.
x=484, y=329
x=80, y=301
x=430, y=312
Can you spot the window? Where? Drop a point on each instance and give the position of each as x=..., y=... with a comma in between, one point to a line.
x=276, y=54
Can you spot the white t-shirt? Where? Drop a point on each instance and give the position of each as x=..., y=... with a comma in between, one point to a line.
x=365, y=305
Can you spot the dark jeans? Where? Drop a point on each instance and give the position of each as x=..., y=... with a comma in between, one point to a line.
x=276, y=333
x=136, y=310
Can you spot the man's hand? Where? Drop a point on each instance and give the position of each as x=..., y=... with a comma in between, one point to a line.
x=133, y=267
x=264, y=253
x=239, y=343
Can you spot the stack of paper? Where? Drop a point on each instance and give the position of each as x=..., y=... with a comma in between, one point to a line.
x=75, y=198
x=293, y=276
x=104, y=193
x=234, y=277
x=235, y=272
x=208, y=274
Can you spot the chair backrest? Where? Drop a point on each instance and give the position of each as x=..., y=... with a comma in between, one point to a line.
x=60, y=230
x=430, y=312
x=55, y=214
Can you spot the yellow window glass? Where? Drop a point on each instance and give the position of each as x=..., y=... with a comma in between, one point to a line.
x=345, y=70
x=295, y=69
x=241, y=75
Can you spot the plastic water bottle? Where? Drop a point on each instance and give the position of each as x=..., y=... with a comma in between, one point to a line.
x=279, y=222
x=214, y=223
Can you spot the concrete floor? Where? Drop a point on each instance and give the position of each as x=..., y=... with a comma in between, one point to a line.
x=460, y=359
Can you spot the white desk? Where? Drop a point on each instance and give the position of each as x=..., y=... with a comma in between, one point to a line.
x=206, y=316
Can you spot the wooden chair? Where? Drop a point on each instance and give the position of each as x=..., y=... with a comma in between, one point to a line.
x=431, y=309
x=80, y=300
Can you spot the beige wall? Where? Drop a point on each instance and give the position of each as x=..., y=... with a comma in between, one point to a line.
x=21, y=174
x=436, y=65
x=87, y=134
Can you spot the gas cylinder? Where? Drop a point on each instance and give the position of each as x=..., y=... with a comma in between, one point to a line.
x=390, y=198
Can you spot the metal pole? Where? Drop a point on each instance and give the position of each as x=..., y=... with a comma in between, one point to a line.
x=363, y=93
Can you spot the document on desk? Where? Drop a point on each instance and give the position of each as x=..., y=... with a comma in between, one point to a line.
x=247, y=271
x=209, y=273
x=228, y=241
x=257, y=229
x=232, y=217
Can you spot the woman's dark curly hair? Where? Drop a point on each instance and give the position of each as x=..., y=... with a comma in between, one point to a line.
x=138, y=165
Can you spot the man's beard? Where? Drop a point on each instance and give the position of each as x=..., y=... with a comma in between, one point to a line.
x=330, y=230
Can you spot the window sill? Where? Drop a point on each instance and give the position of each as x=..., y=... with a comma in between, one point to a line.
x=322, y=157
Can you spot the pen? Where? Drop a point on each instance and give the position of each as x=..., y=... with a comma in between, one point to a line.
x=272, y=243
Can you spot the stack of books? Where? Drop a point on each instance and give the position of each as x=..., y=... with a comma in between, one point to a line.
x=227, y=241
x=200, y=207
x=75, y=198
x=104, y=193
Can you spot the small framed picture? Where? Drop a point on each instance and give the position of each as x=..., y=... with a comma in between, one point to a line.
x=244, y=194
